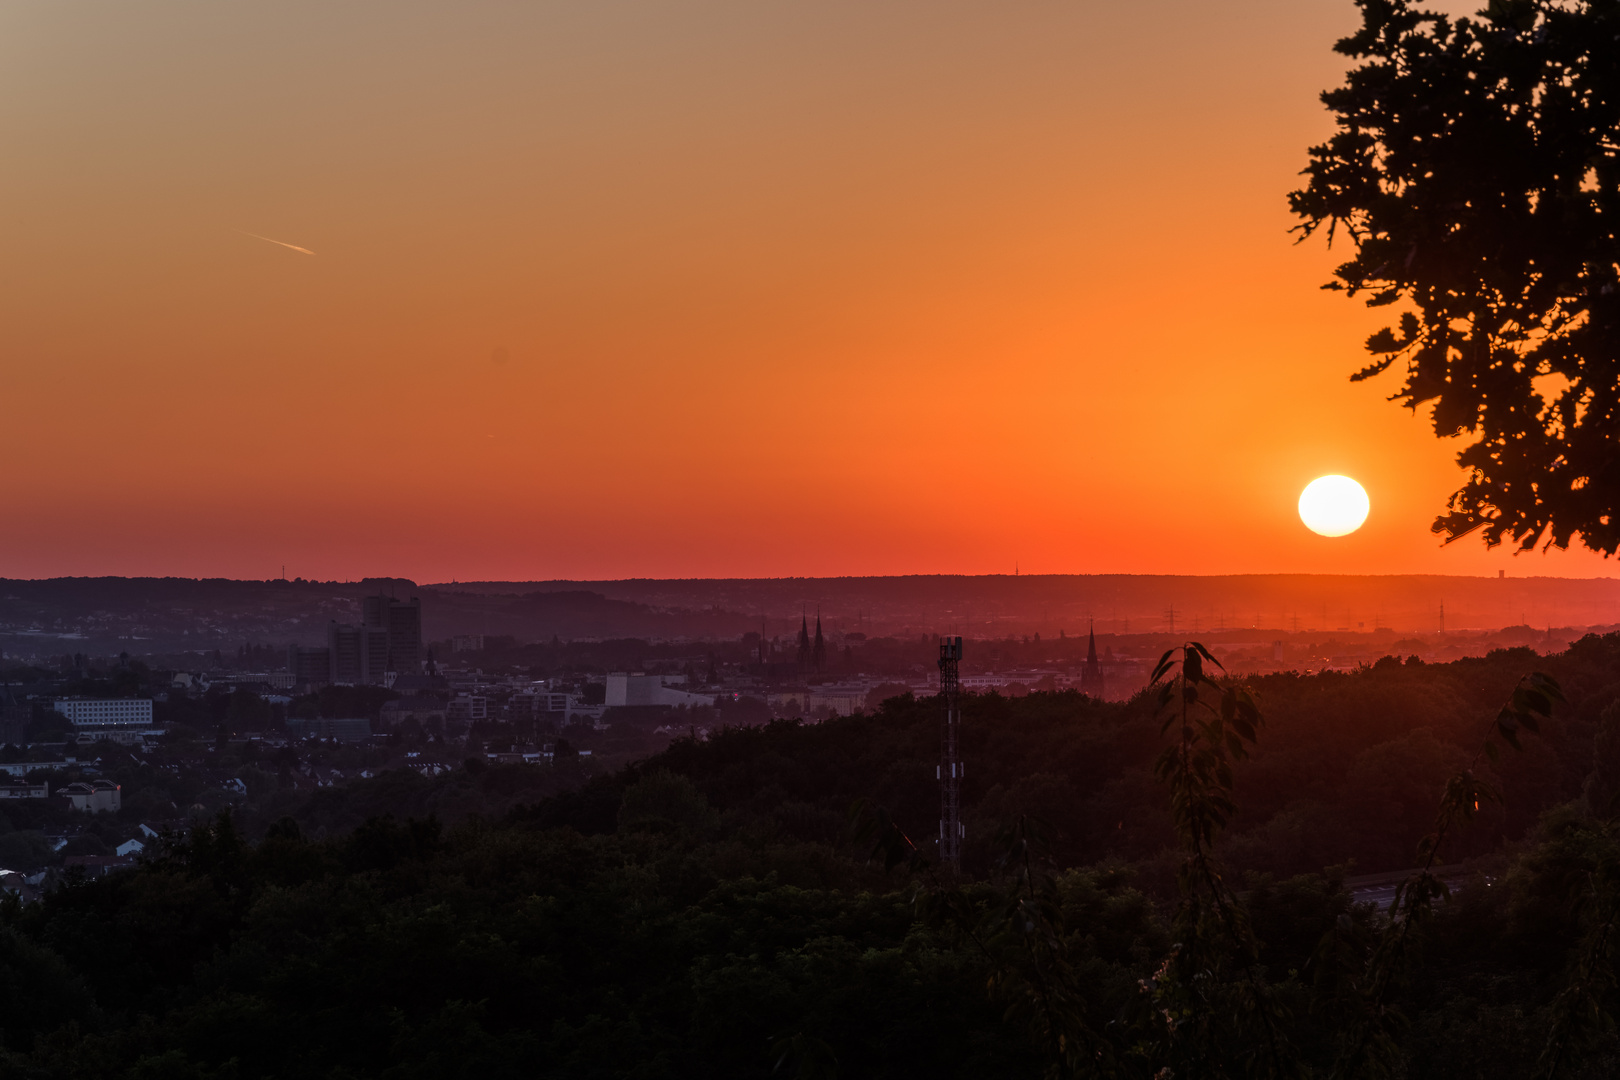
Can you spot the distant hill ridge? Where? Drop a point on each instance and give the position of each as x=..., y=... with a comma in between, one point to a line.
x=147, y=615
x=1124, y=602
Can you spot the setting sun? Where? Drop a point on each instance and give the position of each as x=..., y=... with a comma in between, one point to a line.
x=1333, y=505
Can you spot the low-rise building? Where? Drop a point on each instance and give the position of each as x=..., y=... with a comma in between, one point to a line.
x=347, y=729
x=23, y=768
x=467, y=709
x=95, y=866
x=421, y=707
x=22, y=887
x=837, y=700
x=626, y=689
x=21, y=789
x=789, y=703
x=548, y=704
x=123, y=736
x=92, y=796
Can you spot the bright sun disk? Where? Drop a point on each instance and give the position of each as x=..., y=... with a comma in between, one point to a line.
x=1333, y=505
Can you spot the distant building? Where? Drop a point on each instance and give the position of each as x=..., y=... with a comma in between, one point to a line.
x=17, y=789
x=17, y=884
x=254, y=681
x=14, y=718
x=23, y=768
x=346, y=649
x=803, y=658
x=342, y=729
x=106, y=712
x=420, y=684
x=838, y=700
x=388, y=639
x=309, y=667
x=420, y=707
x=92, y=796
x=544, y=706
x=1091, y=676
x=399, y=623
x=624, y=689
x=467, y=709
x=579, y=712
x=789, y=702
x=123, y=736
x=95, y=866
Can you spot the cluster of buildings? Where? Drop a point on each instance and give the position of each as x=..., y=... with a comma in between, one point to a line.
x=386, y=644
x=453, y=704
x=88, y=796
x=788, y=688
x=385, y=648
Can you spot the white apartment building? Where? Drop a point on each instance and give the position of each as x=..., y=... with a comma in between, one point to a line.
x=106, y=712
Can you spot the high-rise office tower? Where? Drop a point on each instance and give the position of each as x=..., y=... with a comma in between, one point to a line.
x=394, y=636
x=346, y=645
x=388, y=639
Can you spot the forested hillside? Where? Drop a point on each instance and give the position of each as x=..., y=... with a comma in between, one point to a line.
x=718, y=911
x=1347, y=769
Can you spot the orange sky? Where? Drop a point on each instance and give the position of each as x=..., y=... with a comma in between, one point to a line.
x=630, y=288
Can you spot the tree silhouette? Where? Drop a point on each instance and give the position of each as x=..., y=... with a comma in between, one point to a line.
x=1474, y=171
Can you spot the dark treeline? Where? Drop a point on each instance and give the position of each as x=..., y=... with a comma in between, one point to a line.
x=710, y=911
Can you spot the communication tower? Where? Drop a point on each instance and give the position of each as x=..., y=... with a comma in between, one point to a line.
x=950, y=767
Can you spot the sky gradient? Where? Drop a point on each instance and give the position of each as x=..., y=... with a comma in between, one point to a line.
x=629, y=288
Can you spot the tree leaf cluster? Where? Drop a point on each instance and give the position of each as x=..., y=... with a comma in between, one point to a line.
x=1475, y=172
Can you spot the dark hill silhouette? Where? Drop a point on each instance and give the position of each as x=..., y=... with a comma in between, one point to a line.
x=989, y=604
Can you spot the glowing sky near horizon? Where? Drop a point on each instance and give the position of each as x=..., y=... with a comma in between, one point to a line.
x=621, y=288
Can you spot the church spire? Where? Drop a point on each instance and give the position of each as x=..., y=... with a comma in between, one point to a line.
x=804, y=642
x=1091, y=676
x=818, y=651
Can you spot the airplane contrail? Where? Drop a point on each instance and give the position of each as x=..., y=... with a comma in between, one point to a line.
x=267, y=240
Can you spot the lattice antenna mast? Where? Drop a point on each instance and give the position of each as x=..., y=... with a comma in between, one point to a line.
x=951, y=830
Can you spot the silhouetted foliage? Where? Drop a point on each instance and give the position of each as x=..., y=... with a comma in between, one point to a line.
x=710, y=912
x=1476, y=171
